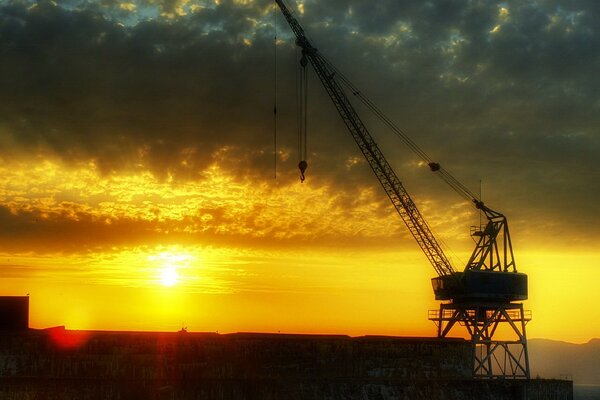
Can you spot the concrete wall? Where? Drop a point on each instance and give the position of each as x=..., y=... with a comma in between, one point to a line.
x=59, y=364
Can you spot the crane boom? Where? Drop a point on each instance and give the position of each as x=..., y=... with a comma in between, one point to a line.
x=482, y=296
x=385, y=174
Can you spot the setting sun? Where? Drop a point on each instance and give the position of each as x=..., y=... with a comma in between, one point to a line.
x=168, y=264
x=169, y=277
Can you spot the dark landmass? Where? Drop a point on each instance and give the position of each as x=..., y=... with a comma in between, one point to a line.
x=555, y=359
x=586, y=392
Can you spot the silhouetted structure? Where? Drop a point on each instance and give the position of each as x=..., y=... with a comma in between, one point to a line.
x=14, y=313
x=486, y=294
x=60, y=364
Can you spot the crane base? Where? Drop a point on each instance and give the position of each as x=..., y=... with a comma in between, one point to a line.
x=492, y=358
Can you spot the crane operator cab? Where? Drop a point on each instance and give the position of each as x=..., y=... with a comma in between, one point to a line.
x=481, y=285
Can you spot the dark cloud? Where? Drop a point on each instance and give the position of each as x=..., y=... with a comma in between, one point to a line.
x=510, y=96
x=81, y=86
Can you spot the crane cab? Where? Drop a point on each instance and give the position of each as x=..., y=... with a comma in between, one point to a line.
x=492, y=286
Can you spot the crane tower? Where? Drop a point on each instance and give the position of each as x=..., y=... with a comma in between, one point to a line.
x=487, y=294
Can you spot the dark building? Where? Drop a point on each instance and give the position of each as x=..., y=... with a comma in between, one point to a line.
x=62, y=365
x=14, y=313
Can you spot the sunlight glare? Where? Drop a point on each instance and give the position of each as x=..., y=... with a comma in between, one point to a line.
x=168, y=264
x=169, y=277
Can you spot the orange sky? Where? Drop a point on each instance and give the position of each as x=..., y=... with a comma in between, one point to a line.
x=136, y=162
x=226, y=255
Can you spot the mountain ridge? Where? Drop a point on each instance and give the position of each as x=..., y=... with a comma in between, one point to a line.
x=550, y=358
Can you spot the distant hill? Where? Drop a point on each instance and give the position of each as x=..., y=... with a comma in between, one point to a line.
x=554, y=359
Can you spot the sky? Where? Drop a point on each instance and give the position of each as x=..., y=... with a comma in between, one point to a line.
x=138, y=189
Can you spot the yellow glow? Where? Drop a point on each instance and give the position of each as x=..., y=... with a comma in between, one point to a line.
x=503, y=17
x=248, y=256
x=308, y=290
x=127, y=6
x=563, y=294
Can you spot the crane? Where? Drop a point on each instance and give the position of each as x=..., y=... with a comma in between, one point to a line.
x=487, y=293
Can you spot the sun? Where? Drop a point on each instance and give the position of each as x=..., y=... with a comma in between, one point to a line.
x=170, y=267
x=169, y=277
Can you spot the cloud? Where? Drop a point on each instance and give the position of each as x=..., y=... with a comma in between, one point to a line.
x=500, y=91
x=85, y=87
x=51, y=208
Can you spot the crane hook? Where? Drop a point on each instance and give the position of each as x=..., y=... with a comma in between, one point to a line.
x=302, y=165
x=303, y=60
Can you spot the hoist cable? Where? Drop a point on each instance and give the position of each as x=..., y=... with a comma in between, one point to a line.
x=298, y=108
x=444, y=174
x=275, y=98
x=305, y=111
